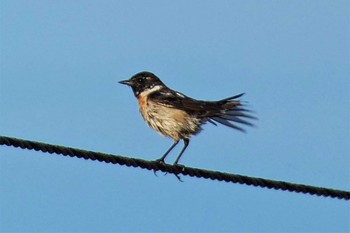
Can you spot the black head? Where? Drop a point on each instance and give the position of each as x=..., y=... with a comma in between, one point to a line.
x=142, y=81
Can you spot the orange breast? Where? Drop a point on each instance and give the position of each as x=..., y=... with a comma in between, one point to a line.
x=142, y=104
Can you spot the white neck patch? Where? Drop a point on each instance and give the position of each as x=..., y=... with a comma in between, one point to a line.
x=151, y=90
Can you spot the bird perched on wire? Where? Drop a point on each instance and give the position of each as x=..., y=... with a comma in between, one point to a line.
x=178, y=116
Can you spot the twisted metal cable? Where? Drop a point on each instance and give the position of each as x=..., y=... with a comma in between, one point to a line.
x=177, y=169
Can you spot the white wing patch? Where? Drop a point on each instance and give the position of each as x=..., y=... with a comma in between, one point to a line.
x=179, y=94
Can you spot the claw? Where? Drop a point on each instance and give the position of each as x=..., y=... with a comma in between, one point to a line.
x=161, y=161
x=181, y=168
x=155, y=173
x=178, y=177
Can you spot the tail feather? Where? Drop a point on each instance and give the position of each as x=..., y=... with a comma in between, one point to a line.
x=227, y=123
x=231, y=111
x=212, y=122
x=232, y=97
x=239, y=113
x=236, y=119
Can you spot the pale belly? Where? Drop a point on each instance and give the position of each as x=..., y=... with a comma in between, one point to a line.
x=169, y=122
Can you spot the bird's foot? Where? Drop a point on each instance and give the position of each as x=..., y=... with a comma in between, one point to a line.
x=161, y=161
x=181, y=168
x=178, y=177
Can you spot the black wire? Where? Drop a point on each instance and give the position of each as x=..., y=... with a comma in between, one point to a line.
x=177, y=169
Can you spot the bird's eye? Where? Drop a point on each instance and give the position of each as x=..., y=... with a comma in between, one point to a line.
x=140, y=80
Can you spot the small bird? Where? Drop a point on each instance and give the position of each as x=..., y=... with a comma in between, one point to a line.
x=178, y=116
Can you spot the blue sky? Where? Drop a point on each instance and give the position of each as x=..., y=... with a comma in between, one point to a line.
x=60, y=66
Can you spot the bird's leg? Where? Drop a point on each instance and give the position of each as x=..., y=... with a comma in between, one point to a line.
x=186, y=142
x=161, y=160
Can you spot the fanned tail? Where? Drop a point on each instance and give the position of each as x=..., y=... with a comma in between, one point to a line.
x=232, y=113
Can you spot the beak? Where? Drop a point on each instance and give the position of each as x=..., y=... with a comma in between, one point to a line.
x=126, y=82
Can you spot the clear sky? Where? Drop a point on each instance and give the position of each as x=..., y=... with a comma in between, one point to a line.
x=60, y=66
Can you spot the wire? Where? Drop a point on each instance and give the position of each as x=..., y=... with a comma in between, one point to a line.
x=177, y=169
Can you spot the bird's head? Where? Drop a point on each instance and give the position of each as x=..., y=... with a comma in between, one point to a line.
x=143, y=82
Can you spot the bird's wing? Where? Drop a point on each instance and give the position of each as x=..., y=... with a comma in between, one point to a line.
x=226, y=111
x=174, y=99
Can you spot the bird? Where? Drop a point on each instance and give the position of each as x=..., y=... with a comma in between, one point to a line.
x=179, y=117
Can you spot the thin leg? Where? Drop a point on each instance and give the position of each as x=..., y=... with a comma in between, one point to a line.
x=186, y=142
x=167, y=152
